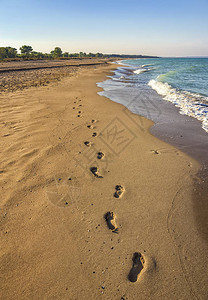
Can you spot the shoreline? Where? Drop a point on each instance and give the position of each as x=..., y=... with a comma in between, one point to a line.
x=177, y=130
x=52, y=214
x=169, y=125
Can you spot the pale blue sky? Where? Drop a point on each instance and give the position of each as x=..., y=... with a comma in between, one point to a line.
x=157, y=27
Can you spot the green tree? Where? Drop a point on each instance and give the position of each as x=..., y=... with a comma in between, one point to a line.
x=91, y=54
x=57, y=52
x=99, y=55
x=82, y=54
x=66, y=54
x=25, y=50
x=37, y=55
x=11, y=52
x=2, y=53
x=74, y=55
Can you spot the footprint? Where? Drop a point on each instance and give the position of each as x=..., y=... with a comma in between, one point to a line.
x=155, y=151
x=89, y=126
x=137, y=267
x=88, y=144
x=94, y=134
x=110, y=219
x=94, y=171
x=100, y=155
x=119, y=191
x=93, y=121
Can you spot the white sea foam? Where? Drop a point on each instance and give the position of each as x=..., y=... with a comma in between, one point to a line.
x=120, y=62
x=139, y=71
x=146, y=65
x=190, y=104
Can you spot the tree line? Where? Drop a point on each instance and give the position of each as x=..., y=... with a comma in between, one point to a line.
x=27, y=53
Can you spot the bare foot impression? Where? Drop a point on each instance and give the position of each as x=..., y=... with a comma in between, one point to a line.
x=100, y=155
x=94, y=134
x=88, y=144
x=110, y=219
x=137, y=267
x=119, y=191
x=94, y=171
x=155, y=151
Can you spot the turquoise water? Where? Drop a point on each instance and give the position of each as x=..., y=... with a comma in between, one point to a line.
x=182, y=81
x=188, y=74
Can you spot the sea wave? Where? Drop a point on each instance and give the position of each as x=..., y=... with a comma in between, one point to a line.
x=193, y=105
x=139, y=71
x=146, y=65
x=120, y=62
x=171, y=73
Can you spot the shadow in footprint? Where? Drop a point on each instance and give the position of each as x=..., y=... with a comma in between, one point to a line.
x=155, y=151
x=94, y=171
x=138, y=265
x=88, y=144
x=119, y=191
x=100, y=155
x=111, y=223
x=94, y=134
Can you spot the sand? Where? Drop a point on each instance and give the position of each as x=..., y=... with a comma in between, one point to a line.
x=19, y=75
x=92, y=205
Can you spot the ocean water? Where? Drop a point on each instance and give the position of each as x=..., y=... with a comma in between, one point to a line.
x=181, y=81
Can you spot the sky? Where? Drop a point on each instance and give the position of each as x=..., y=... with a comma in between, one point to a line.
x=151, y=27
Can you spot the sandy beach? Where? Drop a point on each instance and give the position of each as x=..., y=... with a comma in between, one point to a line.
x=93, y=206
x=19, y=75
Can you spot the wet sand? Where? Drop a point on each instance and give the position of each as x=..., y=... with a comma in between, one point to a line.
x=181, y=131
x=93, y=206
